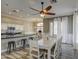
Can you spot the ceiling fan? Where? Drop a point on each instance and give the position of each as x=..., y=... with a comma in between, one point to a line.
x=45, y=11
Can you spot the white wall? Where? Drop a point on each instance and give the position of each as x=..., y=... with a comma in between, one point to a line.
x=75, y=30
x=28, y=28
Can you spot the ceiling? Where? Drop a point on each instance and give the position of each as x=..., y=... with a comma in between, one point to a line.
x=61, y=7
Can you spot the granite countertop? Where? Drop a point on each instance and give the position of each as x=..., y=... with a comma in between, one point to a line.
x=17, y=36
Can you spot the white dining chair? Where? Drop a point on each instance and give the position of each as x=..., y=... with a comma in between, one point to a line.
x=60, y=43
x=55, y=51
x=34, y=50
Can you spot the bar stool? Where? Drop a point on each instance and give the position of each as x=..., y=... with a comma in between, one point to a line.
x=23, y=43
x=11, y=46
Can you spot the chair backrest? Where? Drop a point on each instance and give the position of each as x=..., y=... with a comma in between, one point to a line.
x=34, y=43
x=57, y=48
x=34, y=49
x=55, y=51
x=59, y=42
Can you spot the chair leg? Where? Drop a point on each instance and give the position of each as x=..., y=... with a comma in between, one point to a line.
x=23, y=44
x=15, y=45
x=44, y=56
x=9, y=48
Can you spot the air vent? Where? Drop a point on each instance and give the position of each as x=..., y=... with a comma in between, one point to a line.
x=53, y=1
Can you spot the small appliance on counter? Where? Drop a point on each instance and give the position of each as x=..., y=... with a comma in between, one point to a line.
x=10, y=33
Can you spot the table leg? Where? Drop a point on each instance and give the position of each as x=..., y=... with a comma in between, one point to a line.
x=49, y=54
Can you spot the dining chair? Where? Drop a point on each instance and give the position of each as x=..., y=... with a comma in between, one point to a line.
x=55, y=51
x=34, y=50
x=60, y=43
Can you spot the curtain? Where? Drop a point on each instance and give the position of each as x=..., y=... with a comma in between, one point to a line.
x=67, y=29
x=57, y=27
x=64, y=29
x=63, y=26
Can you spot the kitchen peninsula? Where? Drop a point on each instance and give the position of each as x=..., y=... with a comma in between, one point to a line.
x=17, y=37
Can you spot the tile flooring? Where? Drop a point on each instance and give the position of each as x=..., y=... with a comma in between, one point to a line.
x=67, y=53
x=18, y=54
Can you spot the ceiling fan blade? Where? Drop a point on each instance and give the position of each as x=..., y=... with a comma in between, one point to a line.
x=50, y=13
x=35, y=9
x=48, y=8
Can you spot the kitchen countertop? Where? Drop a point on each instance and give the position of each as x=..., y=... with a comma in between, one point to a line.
x=17, y=36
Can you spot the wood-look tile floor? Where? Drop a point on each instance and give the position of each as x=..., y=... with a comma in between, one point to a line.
x=19, y=54
x=67, y=53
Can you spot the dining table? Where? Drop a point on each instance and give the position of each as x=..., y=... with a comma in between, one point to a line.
x=47, y=44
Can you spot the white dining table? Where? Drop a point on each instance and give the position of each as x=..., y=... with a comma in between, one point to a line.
x=48, y=46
